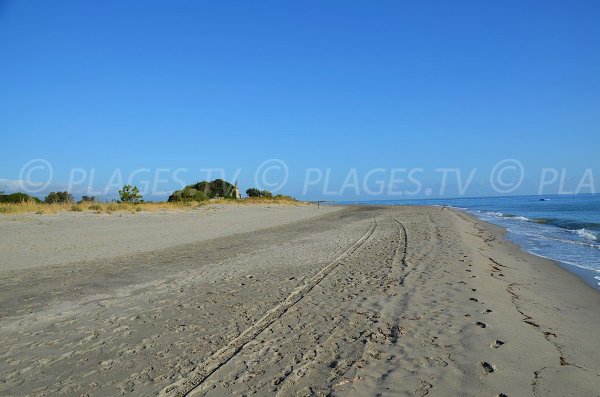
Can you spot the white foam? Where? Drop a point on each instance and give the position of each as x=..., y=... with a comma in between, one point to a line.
x=586, y=234
x=495, y=213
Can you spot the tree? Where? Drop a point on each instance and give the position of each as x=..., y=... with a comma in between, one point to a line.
x=253, y=192
x=18, y=198
x=59, y=197
x=203, y=191
x=130, y=194
x=87, y=199
x=216, y=188
x=188, y=193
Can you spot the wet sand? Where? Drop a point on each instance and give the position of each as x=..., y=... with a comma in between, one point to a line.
x=349, y=301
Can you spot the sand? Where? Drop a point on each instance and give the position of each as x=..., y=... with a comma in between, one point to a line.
x=348, y=301
x=33, y=240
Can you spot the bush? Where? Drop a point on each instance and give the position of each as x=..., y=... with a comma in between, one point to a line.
x=87, y=199
x=254, y=192
x=187, y=194
x=282, y=197
x=216, y=188
x=58, y=197
x=130, y=194
x=18, y=198
x=76, y=208
x=95, y=207
x=202, y=191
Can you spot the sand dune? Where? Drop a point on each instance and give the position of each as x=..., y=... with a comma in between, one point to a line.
x=357, y=301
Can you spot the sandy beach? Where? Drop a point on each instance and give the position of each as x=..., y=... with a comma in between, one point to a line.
x=287, y=301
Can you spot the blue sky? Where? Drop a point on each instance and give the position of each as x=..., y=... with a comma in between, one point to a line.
x=333, y=85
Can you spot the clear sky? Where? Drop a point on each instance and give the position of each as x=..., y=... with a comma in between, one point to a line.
x=343, y=85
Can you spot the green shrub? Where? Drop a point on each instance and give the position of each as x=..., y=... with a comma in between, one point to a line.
x=18, y=198
x=58, y=197
x=130, y=194
x=87, y=199
x=254, y=192
x=188, y=193
x=76, y=208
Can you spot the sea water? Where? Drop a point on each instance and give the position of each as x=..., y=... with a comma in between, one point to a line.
x=565, y=228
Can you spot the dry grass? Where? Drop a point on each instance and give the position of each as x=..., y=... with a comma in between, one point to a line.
x=99, y=208
x=268, y=200
x=107, y=208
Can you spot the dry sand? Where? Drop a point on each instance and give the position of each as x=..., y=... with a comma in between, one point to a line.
x=357, y=301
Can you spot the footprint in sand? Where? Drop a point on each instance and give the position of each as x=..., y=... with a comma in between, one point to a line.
x=474, y=299
x=497, y=343
x=487, y=367
x=481, y=324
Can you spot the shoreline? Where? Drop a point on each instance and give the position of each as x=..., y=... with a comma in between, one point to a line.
x=354, y=301
x=584, y=275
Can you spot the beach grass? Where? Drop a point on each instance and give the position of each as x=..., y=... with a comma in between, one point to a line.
x=110, y=207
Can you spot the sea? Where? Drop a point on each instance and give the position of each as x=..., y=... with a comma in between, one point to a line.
x=565, y=228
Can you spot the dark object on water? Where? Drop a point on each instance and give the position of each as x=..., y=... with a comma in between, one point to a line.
x=544, y=199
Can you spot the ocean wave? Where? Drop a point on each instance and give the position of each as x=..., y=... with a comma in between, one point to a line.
x=561, y=240
x=509, y=216
x=585, y=234
x=456, y=207
x=568, y=224
x=495, y=213
x=519, y=218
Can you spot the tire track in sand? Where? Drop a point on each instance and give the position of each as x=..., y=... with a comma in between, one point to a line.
x=185, y=386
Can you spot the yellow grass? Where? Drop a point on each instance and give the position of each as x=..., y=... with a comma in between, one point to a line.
x=99, y=208
x=267, y=200
x=107, y=208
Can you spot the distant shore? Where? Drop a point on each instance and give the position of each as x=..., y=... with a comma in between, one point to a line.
x=295, y=300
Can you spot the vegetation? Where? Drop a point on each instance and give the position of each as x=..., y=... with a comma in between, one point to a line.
x=254, y=192
x=18, y=198
x=204, y=190
x=58, y=197
x=191, y=196
x=130, y=194
x=188, y=194
x=87, y=199
x=279, y=199
x=100, y=208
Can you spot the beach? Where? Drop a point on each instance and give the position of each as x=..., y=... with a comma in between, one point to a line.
x=287, y=301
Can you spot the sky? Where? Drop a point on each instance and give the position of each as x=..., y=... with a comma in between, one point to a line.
x=321, y=100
